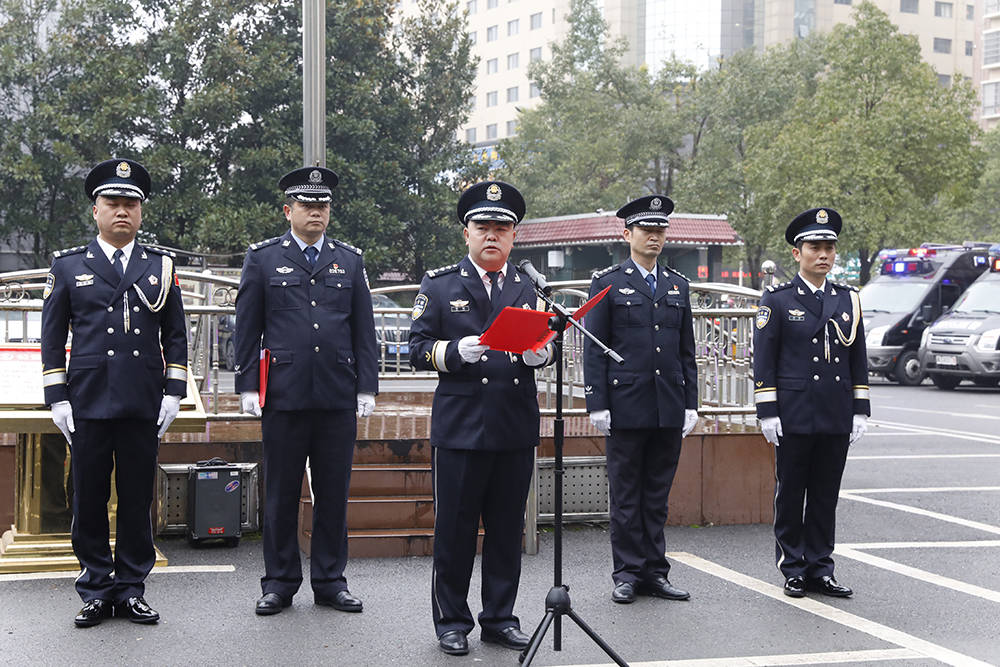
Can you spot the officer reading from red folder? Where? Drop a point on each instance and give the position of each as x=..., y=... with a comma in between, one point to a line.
x=484, y=425
x=304, y=298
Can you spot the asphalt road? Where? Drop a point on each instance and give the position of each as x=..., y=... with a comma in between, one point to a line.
x=919, y=541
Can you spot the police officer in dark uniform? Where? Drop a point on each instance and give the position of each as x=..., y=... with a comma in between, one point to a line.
x=126, y=377
x=304, y=298
x=646, y=406
x=484, y=426
x=811, y=390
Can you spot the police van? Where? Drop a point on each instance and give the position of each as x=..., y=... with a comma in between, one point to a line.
x=964, y=344
x=913, y=287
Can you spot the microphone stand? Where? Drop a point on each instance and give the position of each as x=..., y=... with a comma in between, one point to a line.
x=557, y=602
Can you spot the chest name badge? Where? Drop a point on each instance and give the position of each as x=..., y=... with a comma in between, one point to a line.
x=284, y=269
x=796, y=315
x=459, y=306
x=84, y=279
x=336, y=269
x=673, y=291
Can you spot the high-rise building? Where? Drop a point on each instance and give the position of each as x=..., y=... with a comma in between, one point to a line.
x=988, y=58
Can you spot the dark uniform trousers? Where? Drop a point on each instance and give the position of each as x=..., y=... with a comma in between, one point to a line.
x=129, y=349
x=484, y=430
x=811, y=370
x=647, y=397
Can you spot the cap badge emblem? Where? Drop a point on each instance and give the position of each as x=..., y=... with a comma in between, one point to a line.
x=315, y=176
x=656, y=204
x=822, y=217
x=493, y=192
x=124, y=170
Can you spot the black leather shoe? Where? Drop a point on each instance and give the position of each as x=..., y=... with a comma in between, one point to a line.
x=624, y=593
x=509, y=637
x=454, y=643
x=795, y=587
x=93, y=613
x=342, y=601
x=660, y=587
x=829, y=586
x=136, y=610
x=271, y=603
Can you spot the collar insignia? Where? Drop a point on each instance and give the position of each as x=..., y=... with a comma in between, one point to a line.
x=90, y=255
x=629, y=271
x=286, y=243
x=464, y=273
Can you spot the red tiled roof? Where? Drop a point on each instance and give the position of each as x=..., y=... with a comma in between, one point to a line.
x=589, y=229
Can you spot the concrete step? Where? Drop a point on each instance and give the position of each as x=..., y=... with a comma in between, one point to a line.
x=387, y=543
x=390, y=479
x=392, y=512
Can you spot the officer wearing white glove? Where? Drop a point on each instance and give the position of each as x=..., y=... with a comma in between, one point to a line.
x=536, y=359
x=601, y=419
x=62, y=415
x=250, y=403
x=771, y=428
x=366, y=405
x=690, y=420
x=859, y=427
x=470, y=349
x=169, y=407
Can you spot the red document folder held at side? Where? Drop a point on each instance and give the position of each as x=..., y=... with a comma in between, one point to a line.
x=519, y=329
x=265, y=363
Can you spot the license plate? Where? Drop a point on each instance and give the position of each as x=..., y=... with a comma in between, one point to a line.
x=945, y=360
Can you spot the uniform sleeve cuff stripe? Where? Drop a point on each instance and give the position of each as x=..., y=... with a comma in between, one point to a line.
x=183, y=368
x=765, y=397
x=174, y=373
x=439, y=353
x=53, y=378
x=864, y=394
x=54, y=370
x=757, y=391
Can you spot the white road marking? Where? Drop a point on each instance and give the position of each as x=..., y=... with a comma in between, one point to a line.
x=922, y=512
x=890, y=457
x=972, y=415
x=921, y=575
x=169, y=569
x=942, y=432
x=828, y=658
x=833, y=614
x=956, y=544
x=923, y=489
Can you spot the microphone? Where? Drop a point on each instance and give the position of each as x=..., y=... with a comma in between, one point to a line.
x=525, y=267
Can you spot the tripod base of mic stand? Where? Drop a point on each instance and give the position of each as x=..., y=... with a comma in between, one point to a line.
x=557, y=603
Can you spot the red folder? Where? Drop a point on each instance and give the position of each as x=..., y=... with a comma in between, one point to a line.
x=519, y=329
x=265, y=363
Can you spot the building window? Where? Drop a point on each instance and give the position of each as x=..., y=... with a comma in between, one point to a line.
x=491, y=98
x=491, y=66
x=909, y=6
x=968, y=48
x=470, y=135
x=533, y=90
x=513, y=27
x=991, y=48
x=535, y=54
x=942, y=45
x=991, y=98
x=944, y=80
x=841, y=2
x=491, y=131
x=536, y=21
x=511, y=128
x=992, y=7
x=942, y=9
x=472, y=38
x=512, y=94
x=491, y=4
x=491, y=34
x=471, y=6
x=513, y=60
x=970, y=12
x=472, y=102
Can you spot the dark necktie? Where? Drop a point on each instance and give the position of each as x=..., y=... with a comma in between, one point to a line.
x=819, y=295
x=651, y=281
x=116, y=261
x=311, y=254
x=494, y=287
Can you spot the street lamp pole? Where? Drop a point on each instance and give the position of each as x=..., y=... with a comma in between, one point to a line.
x=314, y=83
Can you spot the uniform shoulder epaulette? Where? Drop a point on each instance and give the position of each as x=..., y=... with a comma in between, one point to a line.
x=605, y=271
x=348, y=246
x=779, y=286
x=69, y=251
x=845, y=286
x=263, y=244
x=434, y=273
x=678, y=273
x=160, y=251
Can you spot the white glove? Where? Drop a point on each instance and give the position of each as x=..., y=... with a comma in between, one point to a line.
x=169, y=407
x=62, y=415
x=690, y=420
x=470, y=349
x=535, y=359
x=250, y=403
x=859, y=428
x=771, y=428
x=601, y=419
x=366, y=404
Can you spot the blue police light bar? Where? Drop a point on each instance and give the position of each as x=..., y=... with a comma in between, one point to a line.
x=980, y=260
x=899, y=267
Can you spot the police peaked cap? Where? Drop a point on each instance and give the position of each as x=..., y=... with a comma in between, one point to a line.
x=309, y=184
x=648, y=211
x=816, y=224
x=118, y=178
x=491, y=200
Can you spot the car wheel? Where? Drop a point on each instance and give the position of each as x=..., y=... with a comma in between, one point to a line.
x=945, y=381
x=908, y=372
x=230, y=357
